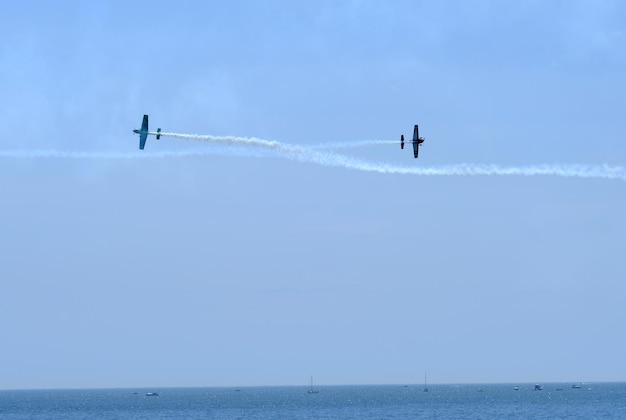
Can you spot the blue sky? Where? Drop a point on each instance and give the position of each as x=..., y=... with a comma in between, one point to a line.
x=227, y=270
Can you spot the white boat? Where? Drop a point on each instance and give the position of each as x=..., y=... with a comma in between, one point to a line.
x=425, y=385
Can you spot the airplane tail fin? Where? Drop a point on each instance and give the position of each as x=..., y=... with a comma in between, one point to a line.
x=158, y=134
x=402, y=141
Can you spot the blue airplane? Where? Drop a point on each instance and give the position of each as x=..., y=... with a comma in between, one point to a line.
x=417, y=141
x=143, y=133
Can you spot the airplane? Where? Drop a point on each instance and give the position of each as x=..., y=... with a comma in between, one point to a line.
x=143, y=133
x=417, y=141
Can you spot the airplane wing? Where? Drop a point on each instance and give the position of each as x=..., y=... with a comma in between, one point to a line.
x=142, y=139
x=415, y=129
x=416, y=149
x=143, y=134
x=415, y=141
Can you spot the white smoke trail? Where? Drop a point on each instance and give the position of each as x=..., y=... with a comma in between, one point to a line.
x=243, y=146
x=272, y=144
x=66, y=154
x=307, y=154
x=352, y=144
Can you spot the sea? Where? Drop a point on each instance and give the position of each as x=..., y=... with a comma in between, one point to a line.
x=497, y=401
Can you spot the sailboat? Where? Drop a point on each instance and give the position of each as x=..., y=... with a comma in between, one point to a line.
x=311, y=389
x=425, y=386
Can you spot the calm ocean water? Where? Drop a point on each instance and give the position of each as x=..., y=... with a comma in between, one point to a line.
x=555, y=401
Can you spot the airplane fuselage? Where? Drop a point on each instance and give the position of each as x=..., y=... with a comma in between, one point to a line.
x=149, y=133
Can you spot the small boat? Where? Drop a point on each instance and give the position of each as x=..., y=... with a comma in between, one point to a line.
x=538, y=388
x=516, y=388
x=152, y=394
x=576, y=386
x=311, y=389
x=425, y=385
